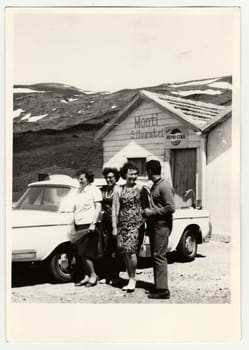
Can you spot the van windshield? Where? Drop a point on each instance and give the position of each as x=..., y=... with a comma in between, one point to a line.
x=43, y=198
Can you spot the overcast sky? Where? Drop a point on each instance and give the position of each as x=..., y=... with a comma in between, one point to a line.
x=114, y=49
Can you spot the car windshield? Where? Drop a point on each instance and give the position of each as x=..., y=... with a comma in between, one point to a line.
x=43, y=198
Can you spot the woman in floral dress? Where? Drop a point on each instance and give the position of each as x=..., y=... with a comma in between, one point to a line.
x=128, y=221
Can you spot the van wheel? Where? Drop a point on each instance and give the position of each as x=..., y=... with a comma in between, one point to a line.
x=187, y=247
x=62, y=266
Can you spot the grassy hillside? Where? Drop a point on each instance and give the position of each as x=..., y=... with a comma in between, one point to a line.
x=55, y=153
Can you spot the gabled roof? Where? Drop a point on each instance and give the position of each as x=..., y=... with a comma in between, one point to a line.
x=196, y=115
x=135, y=102
x=215, y=121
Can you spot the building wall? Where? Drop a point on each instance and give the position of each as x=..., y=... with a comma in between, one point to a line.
x=219, y=179
x=144, y=134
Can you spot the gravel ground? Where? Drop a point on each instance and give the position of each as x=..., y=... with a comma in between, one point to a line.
x=204, y=280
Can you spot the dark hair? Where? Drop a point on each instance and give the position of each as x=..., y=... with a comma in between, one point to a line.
x=111, y=170
x=154, y=166
x=88, y=172
x=126, y=167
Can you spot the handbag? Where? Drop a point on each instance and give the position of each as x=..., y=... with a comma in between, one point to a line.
x=79, y=234
x=144, y=250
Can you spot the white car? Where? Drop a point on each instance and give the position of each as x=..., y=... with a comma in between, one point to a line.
x=43, y=225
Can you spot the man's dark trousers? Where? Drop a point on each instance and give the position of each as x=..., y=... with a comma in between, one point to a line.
x=159, y=232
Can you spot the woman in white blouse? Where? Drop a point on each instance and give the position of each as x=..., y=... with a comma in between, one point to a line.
x=87, y=208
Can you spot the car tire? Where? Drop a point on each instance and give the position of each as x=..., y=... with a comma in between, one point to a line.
x=60, y=267
x=187, y=247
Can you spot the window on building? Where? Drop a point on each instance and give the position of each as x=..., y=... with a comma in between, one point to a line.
x=140, y=164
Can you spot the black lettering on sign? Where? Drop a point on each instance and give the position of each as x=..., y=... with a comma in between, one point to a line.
x=146, y=122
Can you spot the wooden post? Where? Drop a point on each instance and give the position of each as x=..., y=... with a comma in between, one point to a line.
x=203, y=170
x=166, y=169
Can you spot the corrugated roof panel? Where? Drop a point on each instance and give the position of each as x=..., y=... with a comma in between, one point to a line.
x=199, y=112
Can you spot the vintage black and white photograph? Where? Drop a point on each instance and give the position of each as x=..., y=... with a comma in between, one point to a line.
x=123, y=140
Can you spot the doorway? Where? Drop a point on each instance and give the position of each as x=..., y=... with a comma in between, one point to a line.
x=183, y=170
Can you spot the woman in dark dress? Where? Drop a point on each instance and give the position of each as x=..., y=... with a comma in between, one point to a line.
x=128, y=222
x=109, y=241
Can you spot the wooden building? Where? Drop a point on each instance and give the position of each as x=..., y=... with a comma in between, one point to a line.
x=191, y=139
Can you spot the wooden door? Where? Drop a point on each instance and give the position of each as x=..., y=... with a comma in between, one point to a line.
x=183, y=169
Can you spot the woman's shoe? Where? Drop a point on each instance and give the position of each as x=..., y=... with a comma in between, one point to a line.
x=131, y=286
x=103, y=281
x=82, y=282
x=92, y=283
x=106, y=280
x=124, y=288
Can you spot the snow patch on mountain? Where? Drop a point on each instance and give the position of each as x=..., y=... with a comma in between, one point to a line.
x=67, y=100
x=17, y=112
x=25, y=90
x=195, y=92
x=26, y=117
x=221, y=85
x=88, y=92
x=196, y=82
x=38, y=117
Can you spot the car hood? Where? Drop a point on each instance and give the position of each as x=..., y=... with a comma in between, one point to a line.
x=190, y=213
x=28, y=218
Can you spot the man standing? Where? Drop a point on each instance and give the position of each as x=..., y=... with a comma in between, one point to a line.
x=159, y=221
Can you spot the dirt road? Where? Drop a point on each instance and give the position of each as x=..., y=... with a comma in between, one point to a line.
x=205, y=280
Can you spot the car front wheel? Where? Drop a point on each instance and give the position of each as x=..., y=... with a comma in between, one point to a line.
x=62, y=266
x=187, y=247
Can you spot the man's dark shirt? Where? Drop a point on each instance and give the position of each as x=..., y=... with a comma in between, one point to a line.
x=162, y=201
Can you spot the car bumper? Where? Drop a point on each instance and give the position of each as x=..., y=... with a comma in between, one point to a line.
x=24, y=255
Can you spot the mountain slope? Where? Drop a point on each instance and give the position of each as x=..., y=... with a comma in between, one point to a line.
x=58, y=106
